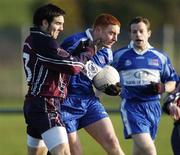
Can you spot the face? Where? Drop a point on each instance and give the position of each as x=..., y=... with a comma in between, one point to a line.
x=55, y=27
x=107, y=36
x=140, y=35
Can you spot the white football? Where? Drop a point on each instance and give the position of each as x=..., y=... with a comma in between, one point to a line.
x=107, y=76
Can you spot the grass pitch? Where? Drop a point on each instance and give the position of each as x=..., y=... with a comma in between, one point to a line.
x=13, y=137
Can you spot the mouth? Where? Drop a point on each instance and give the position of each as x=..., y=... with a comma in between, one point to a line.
x=138, y=40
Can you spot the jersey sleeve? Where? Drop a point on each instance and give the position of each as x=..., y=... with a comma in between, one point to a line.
x=48, y=53
x=103, y=57
x=169, y=73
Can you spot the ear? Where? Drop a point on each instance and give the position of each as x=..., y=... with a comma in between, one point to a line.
x=45, y=24
x=98, y=29
x=149, y=33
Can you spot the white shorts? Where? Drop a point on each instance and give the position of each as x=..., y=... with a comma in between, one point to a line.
x=50, y=139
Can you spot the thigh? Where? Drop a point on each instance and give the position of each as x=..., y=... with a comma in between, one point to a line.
x=95, y=111
x=41, y=114
x=37, y=151
x=102, y=130
x=143, y=144
x=74, y=142
x=73, y=138
x=36, y=146
x=72, y=110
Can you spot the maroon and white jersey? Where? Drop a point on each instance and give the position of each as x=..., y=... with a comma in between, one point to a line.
x=47, y=66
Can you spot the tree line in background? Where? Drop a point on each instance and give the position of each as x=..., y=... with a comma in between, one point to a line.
x=158, y=11
x=16, y=17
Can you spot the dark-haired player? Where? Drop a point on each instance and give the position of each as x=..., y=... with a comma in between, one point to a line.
x=47, y=67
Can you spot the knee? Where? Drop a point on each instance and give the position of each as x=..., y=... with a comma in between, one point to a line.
x=62, y=149
x=112, y=142
x=150, y=150
x=113, y=146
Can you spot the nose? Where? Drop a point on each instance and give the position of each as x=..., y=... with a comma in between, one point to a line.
x=61, y=28
x=138, y=33
x=115, y=38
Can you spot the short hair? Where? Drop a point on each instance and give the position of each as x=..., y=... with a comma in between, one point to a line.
x=139, y=19
x=103, y=20
x=48, y=12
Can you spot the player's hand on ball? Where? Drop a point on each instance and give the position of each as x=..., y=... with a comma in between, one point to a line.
x=113, y=90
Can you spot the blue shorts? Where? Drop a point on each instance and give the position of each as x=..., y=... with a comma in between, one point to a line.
x=41, y=114
x=140, y=117
x=78, y=112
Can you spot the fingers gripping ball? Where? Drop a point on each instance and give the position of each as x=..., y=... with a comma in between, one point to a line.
x=108, y=77
x=113, y=90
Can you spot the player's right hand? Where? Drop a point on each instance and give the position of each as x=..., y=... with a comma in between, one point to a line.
x=83, y=47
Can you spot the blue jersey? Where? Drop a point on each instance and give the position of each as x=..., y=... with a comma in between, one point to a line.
x=80, y=84
x=138, y=70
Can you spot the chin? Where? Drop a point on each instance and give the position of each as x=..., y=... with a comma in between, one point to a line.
x=55, y=37
x=109, y=46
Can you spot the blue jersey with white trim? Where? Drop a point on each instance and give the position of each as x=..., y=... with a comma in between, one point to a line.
x=80, y=84
x=138, y=70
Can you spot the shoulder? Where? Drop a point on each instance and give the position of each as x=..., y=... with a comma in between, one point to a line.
x=120, y=52
x=71, y=40
x=45, y=42
x=162, y=55
x=159, y=52
x=105, y=54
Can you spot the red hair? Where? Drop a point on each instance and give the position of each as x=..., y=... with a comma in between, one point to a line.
x=104, y=20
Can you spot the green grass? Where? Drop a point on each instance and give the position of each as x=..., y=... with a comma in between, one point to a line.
x=13, y=137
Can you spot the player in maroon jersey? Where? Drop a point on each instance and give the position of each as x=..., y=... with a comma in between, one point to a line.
x=172, y=107
x=47, y=68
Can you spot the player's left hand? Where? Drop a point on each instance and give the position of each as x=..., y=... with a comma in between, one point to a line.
x=113, y=90
x=156, y=88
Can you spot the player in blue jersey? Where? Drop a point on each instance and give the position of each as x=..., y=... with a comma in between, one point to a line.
x=172, y=107
x=47, y=68
x=145, y=74
x=82, y=108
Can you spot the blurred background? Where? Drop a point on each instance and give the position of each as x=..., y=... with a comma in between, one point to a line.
x=16, y=18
